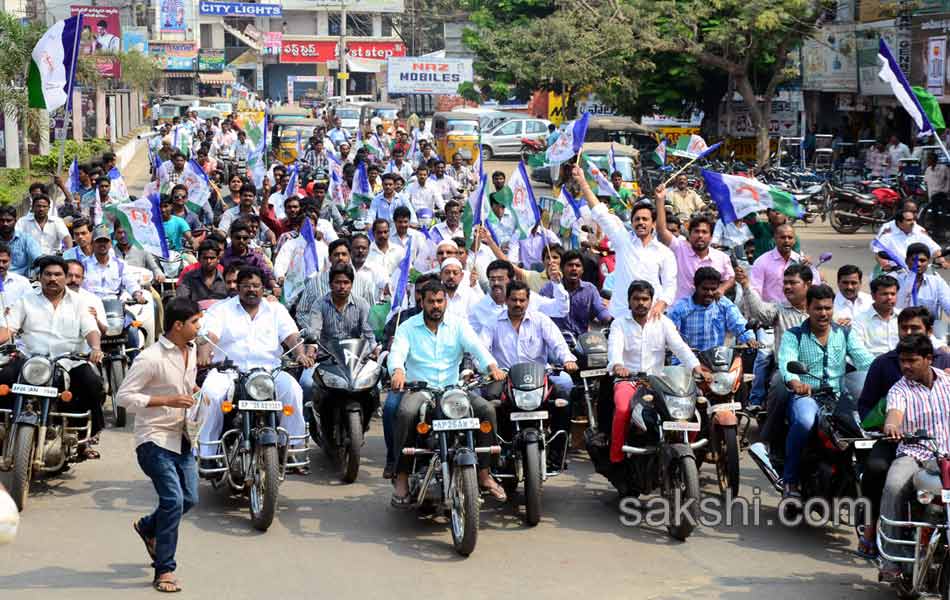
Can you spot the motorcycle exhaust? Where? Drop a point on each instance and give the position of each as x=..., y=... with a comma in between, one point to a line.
x=857, y=217
x=760, y=455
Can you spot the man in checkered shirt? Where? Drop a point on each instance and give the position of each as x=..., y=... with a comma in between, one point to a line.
x=703, y=318
x=920, y=400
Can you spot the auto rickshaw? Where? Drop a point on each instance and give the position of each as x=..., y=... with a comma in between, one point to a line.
x=456, y=131
x=623, y=130
x=386, y=111
x=293, y=135
x=176, y=106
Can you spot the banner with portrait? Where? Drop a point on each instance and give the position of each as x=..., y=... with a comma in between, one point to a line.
x=101, y=36
x=171, y=16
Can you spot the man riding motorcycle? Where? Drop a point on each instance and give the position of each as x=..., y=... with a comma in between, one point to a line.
x=521, y=335
x=249, y=332
x=704, y=318
x=428, y=347
x=53, y=322
x=822, y=346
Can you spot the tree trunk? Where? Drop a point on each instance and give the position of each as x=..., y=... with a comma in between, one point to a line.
x=25, y=136
x=760, y=118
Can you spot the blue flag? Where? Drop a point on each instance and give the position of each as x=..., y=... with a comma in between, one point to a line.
x=310, y=250
x=73, y=185
x=892, y=75
x=403, y=283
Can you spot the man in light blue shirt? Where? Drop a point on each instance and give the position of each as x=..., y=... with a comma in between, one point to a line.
x=338, y=135
x=429, y=347
x=387, y=201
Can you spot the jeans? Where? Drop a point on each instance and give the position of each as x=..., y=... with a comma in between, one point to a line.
x=175, y=477
x=763, y=360
x=306, y=383
x=898, y=488
x=389, y=420
x=802, y=411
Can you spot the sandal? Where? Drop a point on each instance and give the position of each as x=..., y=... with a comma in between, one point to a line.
x=90, y=454
x=497, y=492
x=149, y=542
x=166, y=586
x=401, y=502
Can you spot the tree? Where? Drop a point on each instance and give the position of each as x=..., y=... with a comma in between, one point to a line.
x=749, y=40
x=567, y=51
x=139, y=71
x=16, y=44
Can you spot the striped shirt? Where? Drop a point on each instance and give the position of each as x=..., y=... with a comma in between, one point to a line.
x=318, y=286
x=924, y=408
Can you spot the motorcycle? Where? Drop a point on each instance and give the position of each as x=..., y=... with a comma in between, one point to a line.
x=828, y=466
x=255, y=450
x=591, y=351
x=116, y=362
x=850, y=209
x=171, y=267
x=934, y=216
x=530, y=147
x=924, y=534
x=526, y=398
x=444, y=459
x=721, y=421
x=349, y=380
x=39, y=434
x=660, y=447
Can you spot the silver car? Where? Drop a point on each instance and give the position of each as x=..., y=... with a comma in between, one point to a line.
x=505, y=138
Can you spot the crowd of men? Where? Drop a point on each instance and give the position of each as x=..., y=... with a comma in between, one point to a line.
x=677, y=286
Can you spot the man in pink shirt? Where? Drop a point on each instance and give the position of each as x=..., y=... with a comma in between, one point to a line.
x=695, y=253
x=768, y=270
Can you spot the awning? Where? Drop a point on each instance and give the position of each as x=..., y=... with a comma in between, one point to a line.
x=179, y=74
x=223, y=78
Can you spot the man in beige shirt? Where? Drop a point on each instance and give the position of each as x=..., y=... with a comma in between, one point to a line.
x=158, y=389
x=684, y=199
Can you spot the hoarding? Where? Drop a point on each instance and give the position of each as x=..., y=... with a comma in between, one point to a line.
x=239, y=9
x=829, y=62
x=171, y=16
x=174, y=56
x=210, y=61
x=101, y=35
x=421, y=75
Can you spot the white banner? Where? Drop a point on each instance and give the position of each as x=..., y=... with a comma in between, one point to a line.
x=936, y=64
x=420, y=75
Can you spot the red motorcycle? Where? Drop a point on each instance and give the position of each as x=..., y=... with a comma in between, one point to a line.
x=530, y=147
x=850, y=209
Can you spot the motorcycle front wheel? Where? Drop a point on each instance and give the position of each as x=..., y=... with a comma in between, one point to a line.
x=264, y=487
x=23, y=447
x=116, y=374
x=684, y=477
x=463, y=507
x=532, y=483
x=350, y=450
x=727, y=463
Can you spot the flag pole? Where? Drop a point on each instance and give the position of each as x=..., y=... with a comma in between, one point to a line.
x=683, y=168
x=69, y=93
x=941, y=144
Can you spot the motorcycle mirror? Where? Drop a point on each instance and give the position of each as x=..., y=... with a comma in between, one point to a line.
x=796, y=368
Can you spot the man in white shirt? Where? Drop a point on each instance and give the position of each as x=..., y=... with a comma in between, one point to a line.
x=447, y=185
x=936, y=176
x=53, y=322
x=641, y=257
x=75, y=276
x=638, y=344
x=423, y=193
x=451, y=228
x=461, y=294
x=15, y=286
x=251, y=333
x=850, y=300
x=399, y=166
x=403, y=233
x=876, y=328
x=383, y=255
x=896, y=152
x=48, y=230
x=899, y=238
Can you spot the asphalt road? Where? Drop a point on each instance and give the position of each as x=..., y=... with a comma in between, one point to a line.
x=344, y=541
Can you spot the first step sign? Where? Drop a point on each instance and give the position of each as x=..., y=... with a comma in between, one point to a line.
x=424, y=75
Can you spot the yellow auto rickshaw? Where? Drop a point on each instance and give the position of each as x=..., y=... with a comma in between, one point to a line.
x=387, y=112
x=456, y=131
x=293, y=135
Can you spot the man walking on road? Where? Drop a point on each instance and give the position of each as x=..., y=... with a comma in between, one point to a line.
x=159, y=388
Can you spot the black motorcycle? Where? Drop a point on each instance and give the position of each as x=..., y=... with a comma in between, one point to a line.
x=591, y=351
x=526, y=401
x=348, y=396
x=444, y=459
x=116, y=362
x=40, y=433
x=660, y=446
x=828, y=466
x=254, y=451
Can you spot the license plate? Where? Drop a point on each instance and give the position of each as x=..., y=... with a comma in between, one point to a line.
x=593, y=373
x=680, y=426
x=455, y=424
x=864, y=444
x=725, y=406
x=945, y=496
x=260, y=405
x=34, y=390
x=529, y=416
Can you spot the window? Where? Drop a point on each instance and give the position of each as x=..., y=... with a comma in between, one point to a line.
x=206, y=39
x=536, y=127
x=333, y=24
x=510, y=128
x=359, y=25
x=387, y=27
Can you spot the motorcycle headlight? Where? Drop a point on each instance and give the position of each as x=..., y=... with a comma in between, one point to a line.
x=367, y=378
x=680, y=407
x=332, y=380
x=722, y=383
x=260, y=386
x=114, y=326
x=37, y=371
x=455, y=404
x=529, y=400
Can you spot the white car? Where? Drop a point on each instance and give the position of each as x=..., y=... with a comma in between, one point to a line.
x=504, y=139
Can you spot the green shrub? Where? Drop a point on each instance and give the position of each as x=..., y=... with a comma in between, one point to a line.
x=84, y=151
